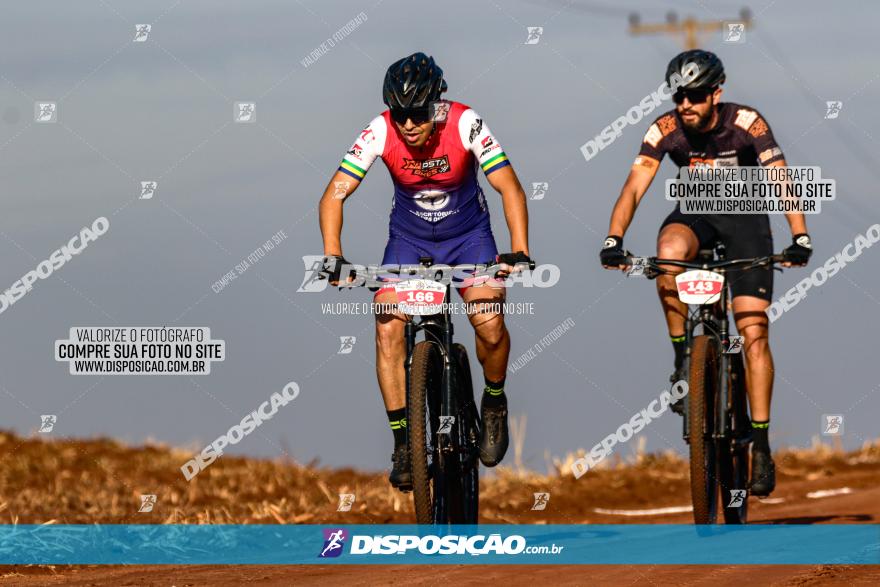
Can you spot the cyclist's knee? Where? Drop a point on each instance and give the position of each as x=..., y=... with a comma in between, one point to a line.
x=672, y=247
x=677, y=242
x=491, y=330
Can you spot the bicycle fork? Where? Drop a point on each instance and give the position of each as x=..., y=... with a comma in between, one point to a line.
x=448, y=404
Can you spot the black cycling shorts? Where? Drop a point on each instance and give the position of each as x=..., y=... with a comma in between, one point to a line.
x=743, y=236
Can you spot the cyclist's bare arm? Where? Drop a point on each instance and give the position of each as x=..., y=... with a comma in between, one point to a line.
x=637, y=183
x=367, y=147
x=513, y=198
x=796, y=220
x=330, y=210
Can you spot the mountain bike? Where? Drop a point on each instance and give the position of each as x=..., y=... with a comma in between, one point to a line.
x=443, y=422
x=716, y=419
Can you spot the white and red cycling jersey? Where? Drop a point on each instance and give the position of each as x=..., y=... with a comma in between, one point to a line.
x=436, y=193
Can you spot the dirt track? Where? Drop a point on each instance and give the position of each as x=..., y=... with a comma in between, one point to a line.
x=99, y=481
x=715, y=576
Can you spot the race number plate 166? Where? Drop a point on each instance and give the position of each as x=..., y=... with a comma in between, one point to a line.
x=420, y=297
x=699, y=286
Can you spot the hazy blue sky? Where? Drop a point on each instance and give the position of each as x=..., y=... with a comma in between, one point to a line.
x=162, y=110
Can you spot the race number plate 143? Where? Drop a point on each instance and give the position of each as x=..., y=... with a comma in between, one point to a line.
x=699, y=286
x=420, y=297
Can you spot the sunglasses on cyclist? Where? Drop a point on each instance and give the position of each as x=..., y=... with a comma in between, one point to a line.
x=693, y=96
x=417, y=115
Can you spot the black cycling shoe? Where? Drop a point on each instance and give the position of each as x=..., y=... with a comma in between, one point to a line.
x=401, y=472
x=763, y=474
x=494, y=440
x=678, y=405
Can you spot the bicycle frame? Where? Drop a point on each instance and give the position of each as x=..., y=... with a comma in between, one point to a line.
x=439, y=329
x=715, y=321
x=448, y=453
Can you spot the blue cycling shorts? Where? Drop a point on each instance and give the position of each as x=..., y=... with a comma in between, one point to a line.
x=472, y=248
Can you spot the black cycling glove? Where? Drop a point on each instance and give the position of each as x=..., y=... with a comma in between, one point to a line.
x=514, y=258
x=333, y=266
x=511, y=259
x=612, y=254
x=800, y=250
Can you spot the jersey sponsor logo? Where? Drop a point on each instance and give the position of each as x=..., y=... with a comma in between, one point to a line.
x=745, y=118
x=356, y=151
x=666, y=124
x=431, y=199
x=427, y=167
x=434, y=216
x=653, y=136
x=768, y=154
x=367, y=135
x=759, y=128
x=476, y=128
x=485, y=152
x=713, y=162
x=487, y=141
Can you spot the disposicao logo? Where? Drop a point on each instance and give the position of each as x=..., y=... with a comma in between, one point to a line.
x=334, y=541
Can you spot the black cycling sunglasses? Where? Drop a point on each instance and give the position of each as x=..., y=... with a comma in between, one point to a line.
x=693, y=96
x=417, y=115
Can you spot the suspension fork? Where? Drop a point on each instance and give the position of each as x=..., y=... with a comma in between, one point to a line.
x=722, y=422
x=409, y=334
x=688, y=342
x=448, y=404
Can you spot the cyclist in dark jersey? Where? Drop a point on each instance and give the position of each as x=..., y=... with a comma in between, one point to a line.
x=433, y=150
x=702, y=131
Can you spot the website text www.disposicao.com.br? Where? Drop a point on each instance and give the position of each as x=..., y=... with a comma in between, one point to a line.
x=455, y=544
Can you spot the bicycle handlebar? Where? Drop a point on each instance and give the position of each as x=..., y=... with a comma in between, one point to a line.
x=654, y=263
x=428, y=271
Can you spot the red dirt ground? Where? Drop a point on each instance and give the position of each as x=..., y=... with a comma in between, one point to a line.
x=100, y=481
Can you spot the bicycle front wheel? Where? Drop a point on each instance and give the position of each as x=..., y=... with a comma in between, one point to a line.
x=467, y=510
x=424, y=380
x=734, y=462
x=702, y=385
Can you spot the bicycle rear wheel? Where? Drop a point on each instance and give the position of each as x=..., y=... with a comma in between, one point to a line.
x=424, y=382
x=467, y=511
x=702, y=387
x=734, y=464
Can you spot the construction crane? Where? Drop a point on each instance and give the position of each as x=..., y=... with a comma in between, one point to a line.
x=690, y=28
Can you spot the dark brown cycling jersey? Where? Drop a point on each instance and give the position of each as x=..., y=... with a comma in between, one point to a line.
x=741, y=137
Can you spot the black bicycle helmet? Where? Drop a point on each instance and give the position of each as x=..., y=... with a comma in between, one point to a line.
x=413, y=82
x=710, y=72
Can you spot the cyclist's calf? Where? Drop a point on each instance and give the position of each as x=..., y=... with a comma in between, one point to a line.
x=493, y=341
x=390, y=354
x=756, y=343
